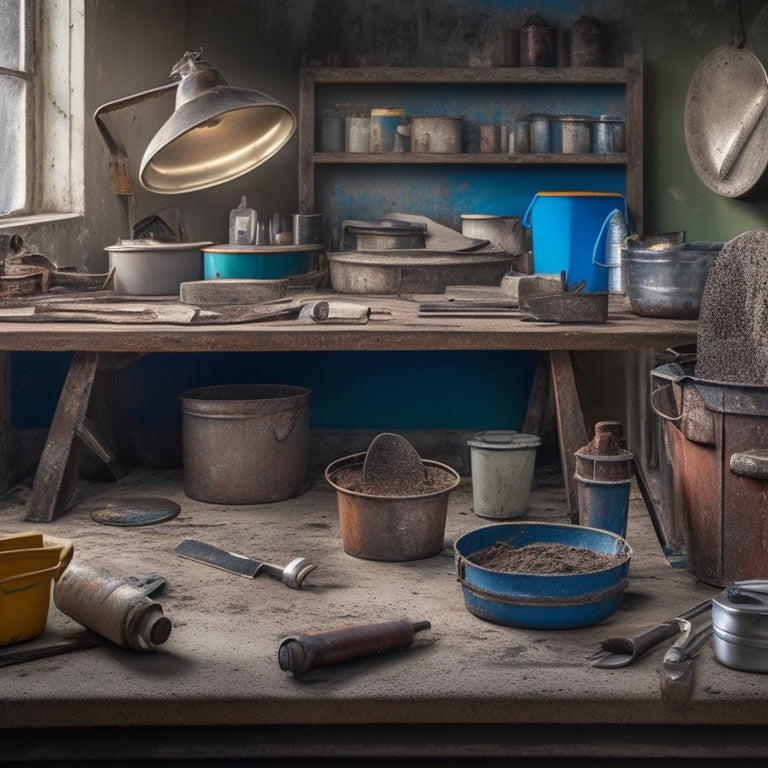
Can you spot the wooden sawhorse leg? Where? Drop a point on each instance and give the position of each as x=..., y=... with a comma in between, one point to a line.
x=57, y=471
x=571, y=431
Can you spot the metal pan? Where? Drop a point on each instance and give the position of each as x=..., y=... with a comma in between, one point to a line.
x=726, y=121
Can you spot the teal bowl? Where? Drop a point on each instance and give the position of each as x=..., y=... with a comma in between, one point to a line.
x=261, y=262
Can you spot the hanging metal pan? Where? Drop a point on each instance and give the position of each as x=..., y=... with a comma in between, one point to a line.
x=726, y=121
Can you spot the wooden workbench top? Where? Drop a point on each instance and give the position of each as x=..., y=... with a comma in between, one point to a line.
x=396, y=326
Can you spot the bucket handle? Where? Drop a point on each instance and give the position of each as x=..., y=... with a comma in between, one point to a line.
x=600, y=237
x=665, y=382
x=526, y=222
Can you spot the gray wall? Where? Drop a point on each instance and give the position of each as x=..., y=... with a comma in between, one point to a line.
x=131, y=46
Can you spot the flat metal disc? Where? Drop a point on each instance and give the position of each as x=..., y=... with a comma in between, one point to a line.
x=143, y=510
x=726, y=121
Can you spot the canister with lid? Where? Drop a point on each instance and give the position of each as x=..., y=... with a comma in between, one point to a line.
x=740, y=626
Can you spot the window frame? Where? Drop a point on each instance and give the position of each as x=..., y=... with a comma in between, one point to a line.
x=54, y=57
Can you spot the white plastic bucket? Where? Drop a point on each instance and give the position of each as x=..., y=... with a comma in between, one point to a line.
x=502, y=464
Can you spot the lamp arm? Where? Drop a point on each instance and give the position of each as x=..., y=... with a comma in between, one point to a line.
x=118, y=162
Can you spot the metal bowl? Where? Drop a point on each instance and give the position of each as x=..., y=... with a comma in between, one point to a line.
x=534, y=601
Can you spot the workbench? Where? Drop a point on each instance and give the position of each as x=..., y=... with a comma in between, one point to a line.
x=464, y=689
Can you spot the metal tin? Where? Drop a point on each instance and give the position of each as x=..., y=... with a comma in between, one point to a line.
x=740, y=626
x=588, y=42
x=608, y=135
x=577, y=135
x=331, y=131
x=538, y=43
x=384, y=123
x=539, y=134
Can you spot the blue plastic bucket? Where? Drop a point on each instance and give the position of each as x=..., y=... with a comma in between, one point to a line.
x=565, y=228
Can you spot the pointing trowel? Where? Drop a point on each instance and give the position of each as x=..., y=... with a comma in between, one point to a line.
x=293, y=574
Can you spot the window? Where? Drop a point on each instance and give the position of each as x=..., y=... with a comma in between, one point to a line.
x=41, y=98
x=16, y=78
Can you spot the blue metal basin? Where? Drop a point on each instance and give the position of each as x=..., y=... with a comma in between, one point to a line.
x=534, y=601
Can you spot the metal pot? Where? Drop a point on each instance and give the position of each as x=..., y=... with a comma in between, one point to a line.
x=669, y=282
x=438, y=134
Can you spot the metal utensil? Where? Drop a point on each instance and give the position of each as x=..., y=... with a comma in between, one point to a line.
x=292, y=575
x=621, y=651
x=676, y=677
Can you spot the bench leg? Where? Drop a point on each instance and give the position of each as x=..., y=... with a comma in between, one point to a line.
x=57, y=471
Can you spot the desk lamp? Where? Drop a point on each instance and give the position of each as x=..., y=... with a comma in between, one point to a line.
x=215, y=134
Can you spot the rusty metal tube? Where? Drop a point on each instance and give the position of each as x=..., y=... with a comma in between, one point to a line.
x=302, y=653
x=111, y=607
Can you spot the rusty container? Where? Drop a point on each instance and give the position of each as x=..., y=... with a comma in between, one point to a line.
x=589, y=38
x=391, y=528
x=245, y=443
x=717, y=436
x=538, y=43
x=603, y=478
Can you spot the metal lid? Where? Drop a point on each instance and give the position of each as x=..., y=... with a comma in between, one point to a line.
x=741, y=612
x=503, y=440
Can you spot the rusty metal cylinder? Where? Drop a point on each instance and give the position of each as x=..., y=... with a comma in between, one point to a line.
x=111, y=607
x=245, y=443
x=538, y=43
x=303, y=653
x=603, y=475
x=588, y=42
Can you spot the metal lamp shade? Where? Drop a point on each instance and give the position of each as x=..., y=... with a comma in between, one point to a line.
x=214, y=137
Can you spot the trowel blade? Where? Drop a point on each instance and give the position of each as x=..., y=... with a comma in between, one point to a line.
x=218, y=558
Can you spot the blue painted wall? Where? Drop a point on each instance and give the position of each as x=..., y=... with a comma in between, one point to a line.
x=367, y=390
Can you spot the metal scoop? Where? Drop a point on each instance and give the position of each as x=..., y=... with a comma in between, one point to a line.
x=392, y=462
x=622, y=651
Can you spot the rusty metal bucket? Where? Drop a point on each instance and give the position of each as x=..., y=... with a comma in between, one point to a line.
x=391, y=528
x=716, y=436
x=245, y=443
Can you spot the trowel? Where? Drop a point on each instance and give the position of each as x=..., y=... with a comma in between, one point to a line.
x=292, y=575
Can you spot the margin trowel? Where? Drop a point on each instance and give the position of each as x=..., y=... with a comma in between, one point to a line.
x=293, y=574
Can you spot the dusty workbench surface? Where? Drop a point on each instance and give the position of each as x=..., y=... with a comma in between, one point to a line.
x=219, y=668
x=395, y=324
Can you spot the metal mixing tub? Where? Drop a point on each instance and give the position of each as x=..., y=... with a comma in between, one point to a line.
x=391, y=528
x=542, y=601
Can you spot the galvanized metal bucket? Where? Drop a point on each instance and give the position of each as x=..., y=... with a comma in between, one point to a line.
x=245, y=443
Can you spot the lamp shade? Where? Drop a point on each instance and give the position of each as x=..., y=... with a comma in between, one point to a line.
x=215, y=136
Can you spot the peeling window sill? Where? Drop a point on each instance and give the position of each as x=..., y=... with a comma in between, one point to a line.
x=14, y=222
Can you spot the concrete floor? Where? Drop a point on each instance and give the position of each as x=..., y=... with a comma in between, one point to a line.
x=466, y=687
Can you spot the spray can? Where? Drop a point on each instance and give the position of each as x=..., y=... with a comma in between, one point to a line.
x=111, y=607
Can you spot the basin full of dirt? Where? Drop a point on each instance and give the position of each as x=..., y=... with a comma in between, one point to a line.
x=435, y=480
x=544, y=559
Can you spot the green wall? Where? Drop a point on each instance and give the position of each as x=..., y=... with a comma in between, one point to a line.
x=677, y=36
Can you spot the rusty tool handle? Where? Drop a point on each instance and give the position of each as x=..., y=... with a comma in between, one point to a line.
x=305, y=652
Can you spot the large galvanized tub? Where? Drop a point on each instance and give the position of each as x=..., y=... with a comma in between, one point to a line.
x=669, y=282
x=717, y=438
x=245, y=443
